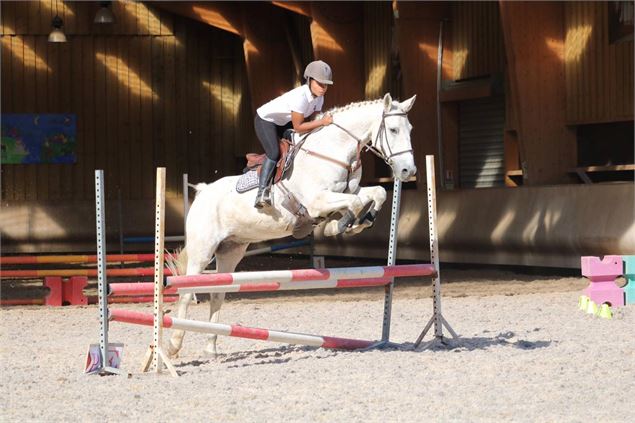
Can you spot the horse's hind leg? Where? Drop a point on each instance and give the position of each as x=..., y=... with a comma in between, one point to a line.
x=195, y=266
x=227, y=258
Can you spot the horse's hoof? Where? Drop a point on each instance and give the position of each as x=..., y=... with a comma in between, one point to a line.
x=173, y=351
x=369, y=218
x=366, y=216
x=210, y=352
x=365, y=211
x=345, y=222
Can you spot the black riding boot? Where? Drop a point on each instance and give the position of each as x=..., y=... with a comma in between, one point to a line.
x=263, y=197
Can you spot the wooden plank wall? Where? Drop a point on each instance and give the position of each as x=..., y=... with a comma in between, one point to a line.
x=337, y=35
x=377, y=44
x=152, y=89
x=477, y=40
x=599, y=75
x=418, y=32
x=533, y=33
x=378, y=40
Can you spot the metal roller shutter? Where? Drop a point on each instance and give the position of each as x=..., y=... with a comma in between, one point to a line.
x=481, y=154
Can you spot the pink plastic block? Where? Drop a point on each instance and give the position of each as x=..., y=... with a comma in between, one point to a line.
x=73, y=290
x=54, y=297
x=602, y=275
x=65, y=291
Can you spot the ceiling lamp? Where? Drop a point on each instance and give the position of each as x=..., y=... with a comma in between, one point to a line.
x=104, y=15
x=57, y=35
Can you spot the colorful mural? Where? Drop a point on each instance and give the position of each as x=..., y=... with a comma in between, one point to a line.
x=35, y=138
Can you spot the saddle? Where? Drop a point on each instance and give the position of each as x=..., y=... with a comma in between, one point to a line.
x=304, y=224
x=255, y=160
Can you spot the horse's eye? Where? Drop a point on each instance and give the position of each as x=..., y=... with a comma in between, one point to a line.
x=394, y=130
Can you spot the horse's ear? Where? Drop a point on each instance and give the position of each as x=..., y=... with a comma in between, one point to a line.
x=407, y=105
x=387, y=102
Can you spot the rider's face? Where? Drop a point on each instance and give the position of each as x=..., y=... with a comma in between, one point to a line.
x=317, y=88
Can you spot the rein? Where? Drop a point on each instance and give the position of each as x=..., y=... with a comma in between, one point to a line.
x=378, y=148
x=380, y=140
x=339, y=163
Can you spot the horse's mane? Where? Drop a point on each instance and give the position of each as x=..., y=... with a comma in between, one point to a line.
x=354, y=105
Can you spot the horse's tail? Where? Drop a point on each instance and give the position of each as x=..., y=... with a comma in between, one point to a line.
x=177, y=262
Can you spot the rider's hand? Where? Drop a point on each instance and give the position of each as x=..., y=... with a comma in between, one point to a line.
x=327, y=119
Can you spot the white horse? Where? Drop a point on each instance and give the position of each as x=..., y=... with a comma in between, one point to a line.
x=325, y=179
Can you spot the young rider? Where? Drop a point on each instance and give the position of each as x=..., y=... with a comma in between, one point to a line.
x=292, y=109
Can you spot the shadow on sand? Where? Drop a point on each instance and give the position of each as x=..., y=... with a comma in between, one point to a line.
x=285, y=354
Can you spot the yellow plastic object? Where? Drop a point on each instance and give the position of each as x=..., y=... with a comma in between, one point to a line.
x=592, y=308
x=583, y=302
x=605, y=311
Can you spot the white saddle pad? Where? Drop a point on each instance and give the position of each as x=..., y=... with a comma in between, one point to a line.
x=247, y=182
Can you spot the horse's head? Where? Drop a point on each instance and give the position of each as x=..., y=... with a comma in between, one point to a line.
x=391, y=138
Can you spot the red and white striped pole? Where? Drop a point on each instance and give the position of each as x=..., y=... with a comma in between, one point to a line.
x=277, y=276
x=139, y=318
x=368, y=272
x=287, y=286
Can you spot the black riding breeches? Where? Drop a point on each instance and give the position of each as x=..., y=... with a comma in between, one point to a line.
x=269, y=135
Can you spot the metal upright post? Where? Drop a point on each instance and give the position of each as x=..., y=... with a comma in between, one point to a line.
x=392, y=257
x=437, y=317
x=102, y=282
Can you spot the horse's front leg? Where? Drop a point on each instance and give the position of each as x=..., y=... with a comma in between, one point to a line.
x=215, y=303
x=228, y=256
x=198, y=258
x=176, y=341
x=375, y=195
x=328, y=202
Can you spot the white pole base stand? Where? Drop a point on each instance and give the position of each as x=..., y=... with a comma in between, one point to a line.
x=162, y=358
x=96, y=365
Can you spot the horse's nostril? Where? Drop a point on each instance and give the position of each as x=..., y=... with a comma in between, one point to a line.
x=404, y=172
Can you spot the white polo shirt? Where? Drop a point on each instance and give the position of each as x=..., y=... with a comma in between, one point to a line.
x=298, y=100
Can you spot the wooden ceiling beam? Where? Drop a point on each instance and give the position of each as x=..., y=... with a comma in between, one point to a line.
x=299, y=7
x=223, y=15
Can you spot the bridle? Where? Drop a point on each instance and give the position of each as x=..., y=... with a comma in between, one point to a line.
x=382, y=139
x=378, y=148
x=381, y=147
